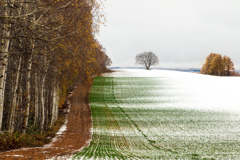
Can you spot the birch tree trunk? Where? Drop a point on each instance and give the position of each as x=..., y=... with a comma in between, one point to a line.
x=54, y=104
x=42, y=94
x=36, y=99
x=4, y=56
x=42, y=103
x=14, y=100
x=28, y=87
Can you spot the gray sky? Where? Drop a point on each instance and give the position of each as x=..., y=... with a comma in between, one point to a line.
x=182, y=33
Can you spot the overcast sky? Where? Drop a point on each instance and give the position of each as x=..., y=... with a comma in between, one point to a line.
x=182, y=33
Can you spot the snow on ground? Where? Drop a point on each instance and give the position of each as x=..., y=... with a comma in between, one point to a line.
x=191, y=90
x=148, y=73
x=61, y=130
x=140, y=114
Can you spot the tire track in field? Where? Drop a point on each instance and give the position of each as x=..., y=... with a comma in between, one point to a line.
x=174, y=124
x=112, y=122
x=171, y=124
x=150, y=142
x=125, y=151
x=103, y=146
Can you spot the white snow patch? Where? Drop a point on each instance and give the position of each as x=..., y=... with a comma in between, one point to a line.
x=149, y=73
x=60, y=131
x=15, y=155
x=188, y=90
x=70, y=157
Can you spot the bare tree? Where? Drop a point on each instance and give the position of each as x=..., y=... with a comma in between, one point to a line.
x=147, y=59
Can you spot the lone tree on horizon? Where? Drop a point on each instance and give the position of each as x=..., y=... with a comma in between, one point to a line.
x=147, y=59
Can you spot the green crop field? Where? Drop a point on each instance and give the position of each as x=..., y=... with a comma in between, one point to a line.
x=136, y=118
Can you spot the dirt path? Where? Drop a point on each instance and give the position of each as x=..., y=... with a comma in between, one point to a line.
x=77, y=135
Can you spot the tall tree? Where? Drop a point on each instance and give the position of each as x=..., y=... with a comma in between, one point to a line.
x=8, y=7
x=216, y=65
x=228, y=66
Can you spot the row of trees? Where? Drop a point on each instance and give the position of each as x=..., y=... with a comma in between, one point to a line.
x=218, y=65
x=45, y=47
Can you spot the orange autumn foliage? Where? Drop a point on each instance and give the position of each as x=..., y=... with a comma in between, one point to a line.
x=217, y=65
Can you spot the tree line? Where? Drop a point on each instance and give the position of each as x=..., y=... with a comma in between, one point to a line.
x=45, y=47
x=218, y=65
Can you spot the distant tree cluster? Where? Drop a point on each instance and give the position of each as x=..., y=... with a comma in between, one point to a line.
x=217, y=65
x=45, y=47
x=147, y=59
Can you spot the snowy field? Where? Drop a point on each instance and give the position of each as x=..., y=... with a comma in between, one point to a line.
x=157, y=114
x=192, y=90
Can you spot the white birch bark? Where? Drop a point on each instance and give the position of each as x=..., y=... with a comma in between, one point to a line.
x=4, y=56
x=36, y=99
x=28, y=87
x=42, y=103
x=54, y=104
x=14, y=100
x=42, y=94
x=28, y=82
x=57, y=104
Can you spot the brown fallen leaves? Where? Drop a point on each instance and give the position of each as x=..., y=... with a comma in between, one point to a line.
x=76, y=136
